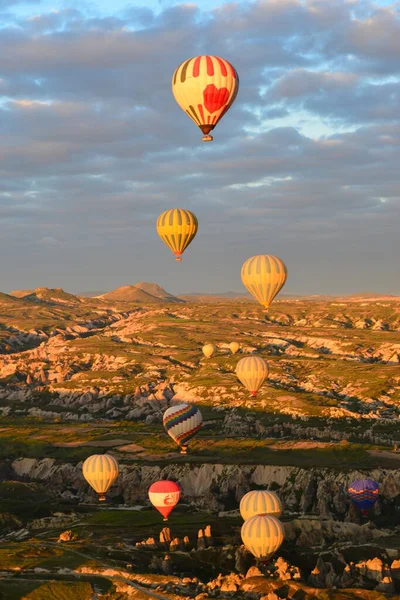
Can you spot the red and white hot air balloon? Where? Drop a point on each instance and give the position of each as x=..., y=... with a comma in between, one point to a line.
x=164, y=496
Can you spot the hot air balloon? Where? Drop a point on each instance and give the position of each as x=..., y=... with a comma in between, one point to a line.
x=260, y=502
x=252, y=372
x=262, y=535
x=100, y=471
x=209, y=350
x=234, y=347
x=164, y=496
x=264, y=276
x=205, y=88
x=177, y=228
x=364, y=493
x=182, y=422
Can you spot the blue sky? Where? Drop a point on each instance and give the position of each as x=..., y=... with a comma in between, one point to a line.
x=304, y=165
x=107, y=7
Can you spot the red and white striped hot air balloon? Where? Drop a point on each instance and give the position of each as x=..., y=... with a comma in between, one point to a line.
x=164, y=496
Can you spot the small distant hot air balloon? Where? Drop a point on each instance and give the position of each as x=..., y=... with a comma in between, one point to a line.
x=164, y=496
x=100, y=471
x=264, y=276
x=205, y=88
x=260, y=502
x=364, y=493
x=182, y=422
x=209, y=350
x=262, y=535
x=252, y=372
x=234, y=347
x=177, y=228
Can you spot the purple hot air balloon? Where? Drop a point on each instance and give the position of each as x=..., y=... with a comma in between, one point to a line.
x=364, y=493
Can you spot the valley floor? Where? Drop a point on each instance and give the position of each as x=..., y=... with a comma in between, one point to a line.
x=93, y=375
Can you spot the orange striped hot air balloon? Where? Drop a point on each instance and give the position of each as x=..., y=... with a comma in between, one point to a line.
x=177, y=228
x=264, y=276
x=234, y=347
x=209, y=350
x=100, y=471
x=260, y=502
x=262, y=535
x=205, y=88
x=252, y=372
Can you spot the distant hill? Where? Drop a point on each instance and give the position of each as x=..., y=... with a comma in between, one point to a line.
x=92, y=294
x=229, y=296
x=155, y=290
x=140, y=292
x=372, y=296
x=49, y=295
x=222, y=297
x=21, y=293
x=8, y=299
x=244, y=297
x=232, y=295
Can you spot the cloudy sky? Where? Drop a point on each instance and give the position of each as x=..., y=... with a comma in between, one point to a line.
x=93, y=147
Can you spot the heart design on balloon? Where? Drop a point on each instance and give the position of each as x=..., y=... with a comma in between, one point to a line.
x=215, y=98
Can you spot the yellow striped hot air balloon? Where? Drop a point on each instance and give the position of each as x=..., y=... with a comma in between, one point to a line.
x=260, y=502
x=205, y=87
x=234, y=347
x=177, y=228
x=252, y=372
x=209, y=350
x=264, y=276
x=100, y=471
x=262, y=535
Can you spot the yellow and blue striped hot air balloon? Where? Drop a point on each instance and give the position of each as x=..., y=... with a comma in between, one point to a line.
x=252, y=372
x=205, y=87
x=264, y=276
x=260, y=502
x=100, y=471
x=182, y=422
x=177, y=227
x=262, y=535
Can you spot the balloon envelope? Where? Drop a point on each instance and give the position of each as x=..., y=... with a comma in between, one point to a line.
x=182, y=422
x=260, y=502
x=264, y=276
x=177, y=228
x=252, y=372
x=209, y=350
x=205, y=87
x=100, y=471
x=262, y=535
x=364, y=493
x=164, y=496
x=234, y=347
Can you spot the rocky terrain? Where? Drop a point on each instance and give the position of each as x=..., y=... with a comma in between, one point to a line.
x=86, y=375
